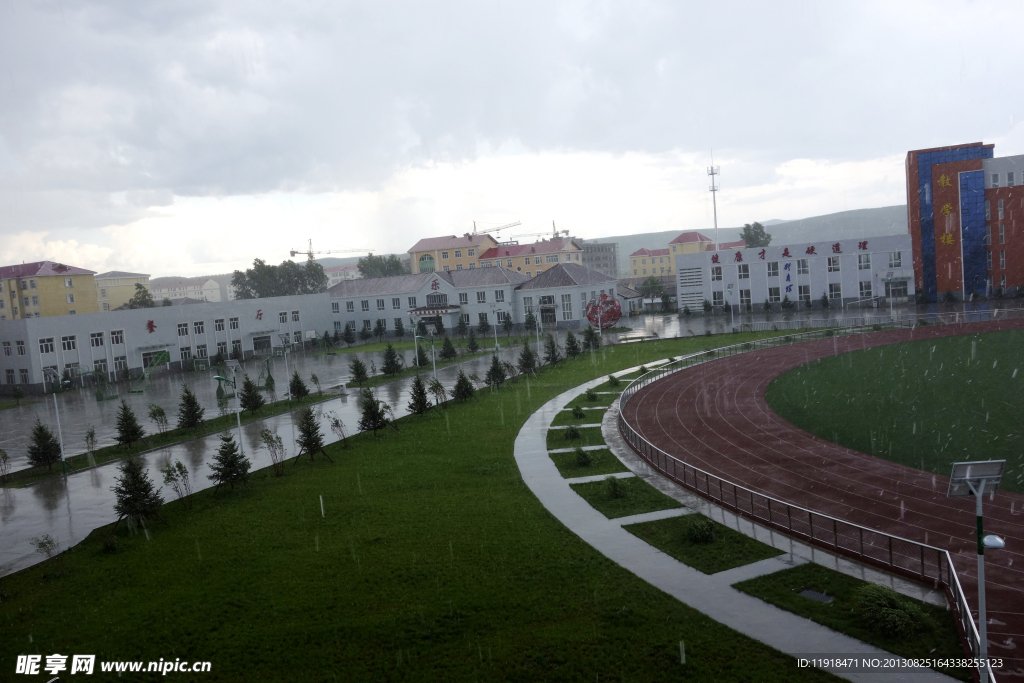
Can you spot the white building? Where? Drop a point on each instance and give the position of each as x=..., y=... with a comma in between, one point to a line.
x=341, y=273
x=845, y=271
x=202, y=288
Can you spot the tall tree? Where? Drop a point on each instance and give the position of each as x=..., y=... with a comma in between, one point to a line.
x=250, y=398
x=652, y=288
x=190, y=413
x=591, y=339
x=471, y=345
x=572, y=345
x=484, y=327
x=422, y=359
x=128, y=428
x=399, y=328
x=297, y=388
x=135, y=497
x=229, y=466
x=419, y=403
x=380, y=329
x=551, y=353
x=358, y=370
x=381, y=266
x=462, y=327
x=448, y=351
x=464, y=389
x=527, y=360
x=391, y=365
x=142, y=298
x=310, y=439
x=287, y=279
x=375, y=414
x=44, y=448
x=348, y=336
x=530, y=321
x=496, y=373
x=755, y=236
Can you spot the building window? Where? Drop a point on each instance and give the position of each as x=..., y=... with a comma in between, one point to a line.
x=295, y=316
x=10, y=376
x=185, y=352
x=744, y=297
x=499, y=296
x=380, y=304
x=1002, y=234
x=717, y=298
x=350, y=306
x=988, y=256
x=833, y=264
x=464, y=298
x=31, y=284
x=103, y=293
x=96, y=339
x=24, y=375
x=201, y=351
x=482, y=317
x=1000, y=209
x=337, y=326
x=528, y=274
x=365, y=304
x=199, y=327
x=527, y=304
x=896, y=289
x=716, y=273
x=71, y=298
x=282, y=317
x=366, y=324
x=471, y=252
x=398, y=321
x=895, y=259
x=1002, y=259
x=182, y=329
x=426, y=263
x=68, y=282
x=458, y=253
x=988, y=210
x=458, y=266
x=567, y=307
x=865, y=289
x=995, y=180
x=68, y=343
x=35, y=300
x=863, y=261
x=222, y=348
x=396, y=303
x=233, y=323
x=464, y=317
x=445, y=269
x=835, y=290
x=218, y=325
x=773, y=269
x=437, y=299
x=508, y=263
x=802, y=266
x=444, y=255
x=773, y=295
x=117, y=336
x=804, y=292
x=547, y=300
x=335, y=307
x=481, y=297
x=21, y=346
x=1009, y=179
x=551, y=258
x=743, y=271
x=988, y=235
x=7, y=349
x=297, y=337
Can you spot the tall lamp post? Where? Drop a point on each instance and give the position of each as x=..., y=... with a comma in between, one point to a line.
x=976, y=479
x=494, y=314
x=56, y=382
x=233, y=366
x=286, y=346
x=432, y=357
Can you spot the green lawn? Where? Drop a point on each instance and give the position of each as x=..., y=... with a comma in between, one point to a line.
x=381, y=378
x=4, y=405
x=938, y=637
x=640, y=497
x=406, y=344
x=601, y=462
x=589, y=417
x=589, y=436
x=926, y=404
x=729, y=549
x=432, y=560
x=600, y=400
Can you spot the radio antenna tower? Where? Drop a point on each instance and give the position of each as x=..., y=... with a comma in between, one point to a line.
x=713, y=171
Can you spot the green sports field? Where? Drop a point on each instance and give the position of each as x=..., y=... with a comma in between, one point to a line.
x=926, y=404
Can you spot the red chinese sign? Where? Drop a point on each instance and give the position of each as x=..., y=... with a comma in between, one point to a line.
x=714, y=258
x=151, y=327
x=435, y=285
x=604, y=311
x=785, y=252
x=760, y=254
x=259, y=314
x=810, y=250
x=836, y=248
x=863, y=246
x=739, y=256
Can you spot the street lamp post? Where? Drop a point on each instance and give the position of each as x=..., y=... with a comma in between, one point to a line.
x=233, y=366
x=433, y=358
x=285, y=347
x=54, y=383
x=494, y=314
x=976, y=479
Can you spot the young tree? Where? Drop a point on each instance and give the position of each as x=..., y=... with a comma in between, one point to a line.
x=316, y=383
x=218, y=359
x=338, y=427
x=507, y=325
x=755, y=236
x=572, y=346
x=275, y=447
x=336, y=337
x=391, y=365
x=686, y=311
x=825, y=303
x=527, y=360
x=375, y=414
x=464, y=389
x=166, y=302
x=348, y=336
x=190, y=413
x=250, y=398
x=128, y=428
x=652, y=288
x=44, y=448
x=471, y=344
x=135, y=497
x=530, y=321
x=786, y=303
x=551, y=353
x=419, y=403
x=358, y=370
x=666, y=301
x=176, y=476
x=229, y=466
x=310, y=439
x=399, y=328
x=462, y=327
x=236, y=352
x=159, y=416
x=484, y=327
x=421, y=328
x=297, y=388
x=591, y=339
x=496, y=373
x=422, y=360
x=365, y=334
x=142, y=298
x=5, y=465
x=767, y=306
x=726, y=307
x=380, y=329
x=439, y=393
x=448, y=351
x=17, y=393
x=708, y=308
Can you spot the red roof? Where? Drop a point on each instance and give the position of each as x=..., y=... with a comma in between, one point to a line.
x=449, y=242
x=545, y=247
x=42, y=269
x=692, y=236
x=650, y=252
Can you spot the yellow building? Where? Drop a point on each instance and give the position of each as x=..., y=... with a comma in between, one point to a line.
x=449, y=253
x=45, y=288
x=650, y=262
x=691, y=243
x=532, y=259
x=116, y=287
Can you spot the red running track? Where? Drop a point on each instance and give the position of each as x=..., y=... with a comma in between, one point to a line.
x=714, y=416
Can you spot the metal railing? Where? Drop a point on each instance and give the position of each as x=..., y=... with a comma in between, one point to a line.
x=917, y=561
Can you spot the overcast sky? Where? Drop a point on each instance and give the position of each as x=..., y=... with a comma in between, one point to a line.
x=192, y=137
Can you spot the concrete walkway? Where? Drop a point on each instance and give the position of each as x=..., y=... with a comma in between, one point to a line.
x=712, y=595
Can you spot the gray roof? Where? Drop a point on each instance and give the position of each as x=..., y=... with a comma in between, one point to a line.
x=477, y=277
x=626, y=292
x=379, y=286
x=567, y=275
x=119, y=273
x=668, y=282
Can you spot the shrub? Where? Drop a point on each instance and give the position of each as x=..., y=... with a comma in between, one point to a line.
x=229, y=466
x=615, y=487
x=310, y=438
x=471, y=344
x=923, y=322
x=128, y=428
x=159, y=416
x=614, y=381
x=135, y=498
x=583, y=458
x=297, y=388
x=643, y=369
x=44, y=448
x=275, y=446
x=391, y=366
x=701, y=530
x=591, y=395
x=572, y=345
x=448, y=351
x=17, y=393
x=110, y=544
x=250, y=399
x=190, y=413
x=578, y=412
x=885, y=611
x=176, y=477
x=496, y=374
x=876, y=327
x=572, y=433
x=686, y=311
x=419, y=403
x=707, y=333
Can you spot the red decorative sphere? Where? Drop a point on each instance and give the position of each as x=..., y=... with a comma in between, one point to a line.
x=604, y=311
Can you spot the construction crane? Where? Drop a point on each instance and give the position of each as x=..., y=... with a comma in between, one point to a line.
x=500, y=227
x=555, y=232
x=309, y=251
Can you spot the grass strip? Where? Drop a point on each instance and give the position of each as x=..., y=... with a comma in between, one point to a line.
x=639, y=497
x=729, y=548
x=411, y=370
x=405, y=344
x=589, y=436
x=599, y=400
x=937, y=637
x=601, y=462
x=566, y=418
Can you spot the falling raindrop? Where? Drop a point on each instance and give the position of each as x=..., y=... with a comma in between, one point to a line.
x=1014, y=373
x=322, y=507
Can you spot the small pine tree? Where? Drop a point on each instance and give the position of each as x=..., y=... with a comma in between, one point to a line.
x=786, y=303
x=591, y=339
x=399, y=328
x=250, y=398
x=219, y=358
x=484, y=327
x=17, y=393
x=507, y=325
x=707, y=306
x=336, y=337
x=551, y=353
x=471, y=344
x=135, y=497
x=391, y=366
x=464, y=389
x=310, y=439
x=422, y=360
x=297, y=388
x=767, y=306
x=365, y=334
x=375, y=414
x=825, y=303
x=686, y=311
x=496, y=373
x=572, y=346
x=236, y=352
x=462, y=327
x=358, y=370
x=380, y=329
x=448, y=351
x=527, y=360
x=190, y=413
x=530, y=321
x=419, y=403
x=229, y=466
x=348, y=336
x=128, y=428
x=44, y=448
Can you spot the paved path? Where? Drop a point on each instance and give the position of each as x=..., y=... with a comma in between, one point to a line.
x=712, y=595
